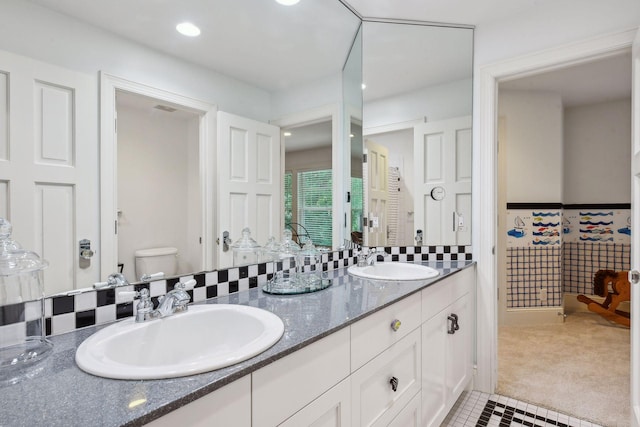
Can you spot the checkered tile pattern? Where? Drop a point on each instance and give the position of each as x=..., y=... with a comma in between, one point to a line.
x=65, y=313
x=582, y=259
x=528, y=270
x=475, y=408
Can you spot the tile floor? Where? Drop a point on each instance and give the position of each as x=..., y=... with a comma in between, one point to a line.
x=475, y=408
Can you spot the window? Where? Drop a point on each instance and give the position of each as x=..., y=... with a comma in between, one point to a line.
x=313, y=205
x=357, y=205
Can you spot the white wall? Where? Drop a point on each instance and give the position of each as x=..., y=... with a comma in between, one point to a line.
x=312, y=159
x=597, y=148
x=533, y=144
x=157, y=158
x=548, y=24
x=435, y=103
x=30, y=30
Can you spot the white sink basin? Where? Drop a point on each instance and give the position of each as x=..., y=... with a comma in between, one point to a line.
x=396, y=271
x=205, y=338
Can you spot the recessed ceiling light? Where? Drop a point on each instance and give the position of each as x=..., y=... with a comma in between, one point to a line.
x=287, y=134
x=188, y=29
x=288, y=2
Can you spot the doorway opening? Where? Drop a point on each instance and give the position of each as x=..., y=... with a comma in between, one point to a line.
x=158, y=158
x=200, y=172
x=564, y=206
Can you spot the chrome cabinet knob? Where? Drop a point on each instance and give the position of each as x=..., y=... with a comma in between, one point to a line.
x=394, y=383
x=395, y=325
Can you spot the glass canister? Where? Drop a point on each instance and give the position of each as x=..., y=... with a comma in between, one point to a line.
x=308, y=266
x=245, y=249
x=23, y=340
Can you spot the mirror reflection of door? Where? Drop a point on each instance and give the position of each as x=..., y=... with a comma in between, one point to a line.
x=442, y=156
x=249, y=182
x=377, y=194
x=308, y=187
x=48, y=147
x=157, y=159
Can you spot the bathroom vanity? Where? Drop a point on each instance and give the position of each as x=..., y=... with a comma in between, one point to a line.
x=361, y=352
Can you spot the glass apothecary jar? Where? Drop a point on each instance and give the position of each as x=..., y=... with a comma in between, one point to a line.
x=245, y=250
x=21, y=306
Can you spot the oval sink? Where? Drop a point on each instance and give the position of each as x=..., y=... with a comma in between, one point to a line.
x=396, y=271
x=205, y=338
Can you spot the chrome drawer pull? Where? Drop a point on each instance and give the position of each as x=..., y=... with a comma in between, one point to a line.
x=453, y=327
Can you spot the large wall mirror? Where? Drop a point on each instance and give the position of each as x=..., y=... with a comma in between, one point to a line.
x=417, y=133
x=298, y=68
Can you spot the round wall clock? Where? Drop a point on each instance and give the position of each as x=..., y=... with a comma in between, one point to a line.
x=437, y=193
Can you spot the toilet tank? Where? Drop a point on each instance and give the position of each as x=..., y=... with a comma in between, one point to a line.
x=155, y=260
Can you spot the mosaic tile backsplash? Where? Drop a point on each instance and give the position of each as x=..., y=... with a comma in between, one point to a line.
x=65, y=313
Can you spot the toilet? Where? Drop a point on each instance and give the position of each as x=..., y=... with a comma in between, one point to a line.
x=155, y=260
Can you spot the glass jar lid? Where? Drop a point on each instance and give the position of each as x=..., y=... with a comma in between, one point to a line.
x=13, y=259
x=245, y=242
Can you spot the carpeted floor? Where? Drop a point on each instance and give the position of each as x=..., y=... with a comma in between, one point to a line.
x=580, y=367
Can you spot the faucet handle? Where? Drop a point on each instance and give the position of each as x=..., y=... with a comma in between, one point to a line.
x=145, y=305
x=186, y=286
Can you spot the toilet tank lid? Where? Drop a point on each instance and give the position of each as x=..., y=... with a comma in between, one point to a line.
x=156, y=252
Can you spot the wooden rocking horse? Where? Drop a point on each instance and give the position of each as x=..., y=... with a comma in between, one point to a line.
x=615, y=287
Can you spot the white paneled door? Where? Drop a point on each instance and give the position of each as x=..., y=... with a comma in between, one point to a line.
x=635, y=238
x=442, y=169
x=48, y=165
x=249, y=182
x=375, y=231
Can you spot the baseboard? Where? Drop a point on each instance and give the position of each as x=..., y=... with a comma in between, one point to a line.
x=572, y=305
x=533, y=316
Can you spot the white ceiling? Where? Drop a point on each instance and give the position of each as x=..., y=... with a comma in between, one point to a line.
x=462, y=12
x=256, y=41
x=264, y=44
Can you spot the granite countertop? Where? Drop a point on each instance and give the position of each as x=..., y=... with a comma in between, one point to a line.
x=58, y=393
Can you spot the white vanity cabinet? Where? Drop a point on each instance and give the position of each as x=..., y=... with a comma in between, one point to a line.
x=227, y=406
x=398, y=367
x=447, y=334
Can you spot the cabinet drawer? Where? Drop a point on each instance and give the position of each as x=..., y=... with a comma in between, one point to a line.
x=373, y=399
x=410, y=415
x=439, y=295
x=332, y=409
x=374, y=333
x=284, y=387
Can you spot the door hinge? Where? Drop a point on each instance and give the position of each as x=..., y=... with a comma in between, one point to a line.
x=364, y=158
x=115, y=226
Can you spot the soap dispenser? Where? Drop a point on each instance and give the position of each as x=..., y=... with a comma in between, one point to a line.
x=21, y=301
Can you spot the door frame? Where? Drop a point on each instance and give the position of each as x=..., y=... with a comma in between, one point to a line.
x=339, y=174
x=485, y=182
x=109, y=84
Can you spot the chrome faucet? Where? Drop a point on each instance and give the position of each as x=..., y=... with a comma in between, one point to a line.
x=370, y=256
x=175, y=301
